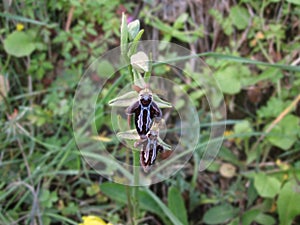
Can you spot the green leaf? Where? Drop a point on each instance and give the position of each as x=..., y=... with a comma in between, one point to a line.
x=47, y=198
x=285, y=133
x=251, y=193
x=228, y=155
x=266, y=186
x=176, y=204
x=118, y=192
x=243, y=127
x=228, y=80
x=163, y=208
x=270, y=74
x=239, y=16
x=124, y=35
x=296, y=2
x=227, y=26
x=233, y=59
x=105, y=69
x=114, y=191
x=25, y=20
x=249, y=216
x=273, y=108
x=265, y=219
x=92, y=190
x=220, y=214
x=133, y=29
x=288, y=202
x=179, y=22
x=19, y=44
x=135, y=43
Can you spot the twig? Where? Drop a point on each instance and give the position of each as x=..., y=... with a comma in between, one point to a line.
x=35, y=208
x=69, y=20
x=276, y=121
x=296, y=62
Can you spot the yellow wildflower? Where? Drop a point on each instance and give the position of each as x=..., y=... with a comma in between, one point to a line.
x=19, y=27
x=278, y=162
x=93, y=220
x=228, y=133
x=282, y=165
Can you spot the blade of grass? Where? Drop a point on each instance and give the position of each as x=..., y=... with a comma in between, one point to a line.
x=234, y=59
x=22, y=19
x=61, y=218
x=163, y=207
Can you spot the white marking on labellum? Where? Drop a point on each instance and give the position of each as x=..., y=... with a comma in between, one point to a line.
x=141, y=118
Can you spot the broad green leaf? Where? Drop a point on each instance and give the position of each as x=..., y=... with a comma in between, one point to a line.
x=296, y=2
x=165, y=210
x=228, y=80
x=265, y=219
x=227, y=26
x=220, y=214
x=228, y=155
x=239, y=16
x=114, y=191
x=118, y=192
x=243, y=127
x=249, y=216
x=133, y=29
x=285, y=133
x=19, y=44
x=176, y=204
x=105, y=69
x=47, y=198
x=251, y=193
x=288, y=202
x=273, y=108
x=266, y=186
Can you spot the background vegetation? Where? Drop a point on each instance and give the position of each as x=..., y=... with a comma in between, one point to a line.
x=47, y=45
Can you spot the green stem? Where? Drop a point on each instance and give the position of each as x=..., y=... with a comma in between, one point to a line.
x=264, y=52
x=6, y=63
x=134, y=204
x=130, y=211
x=135, y=192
